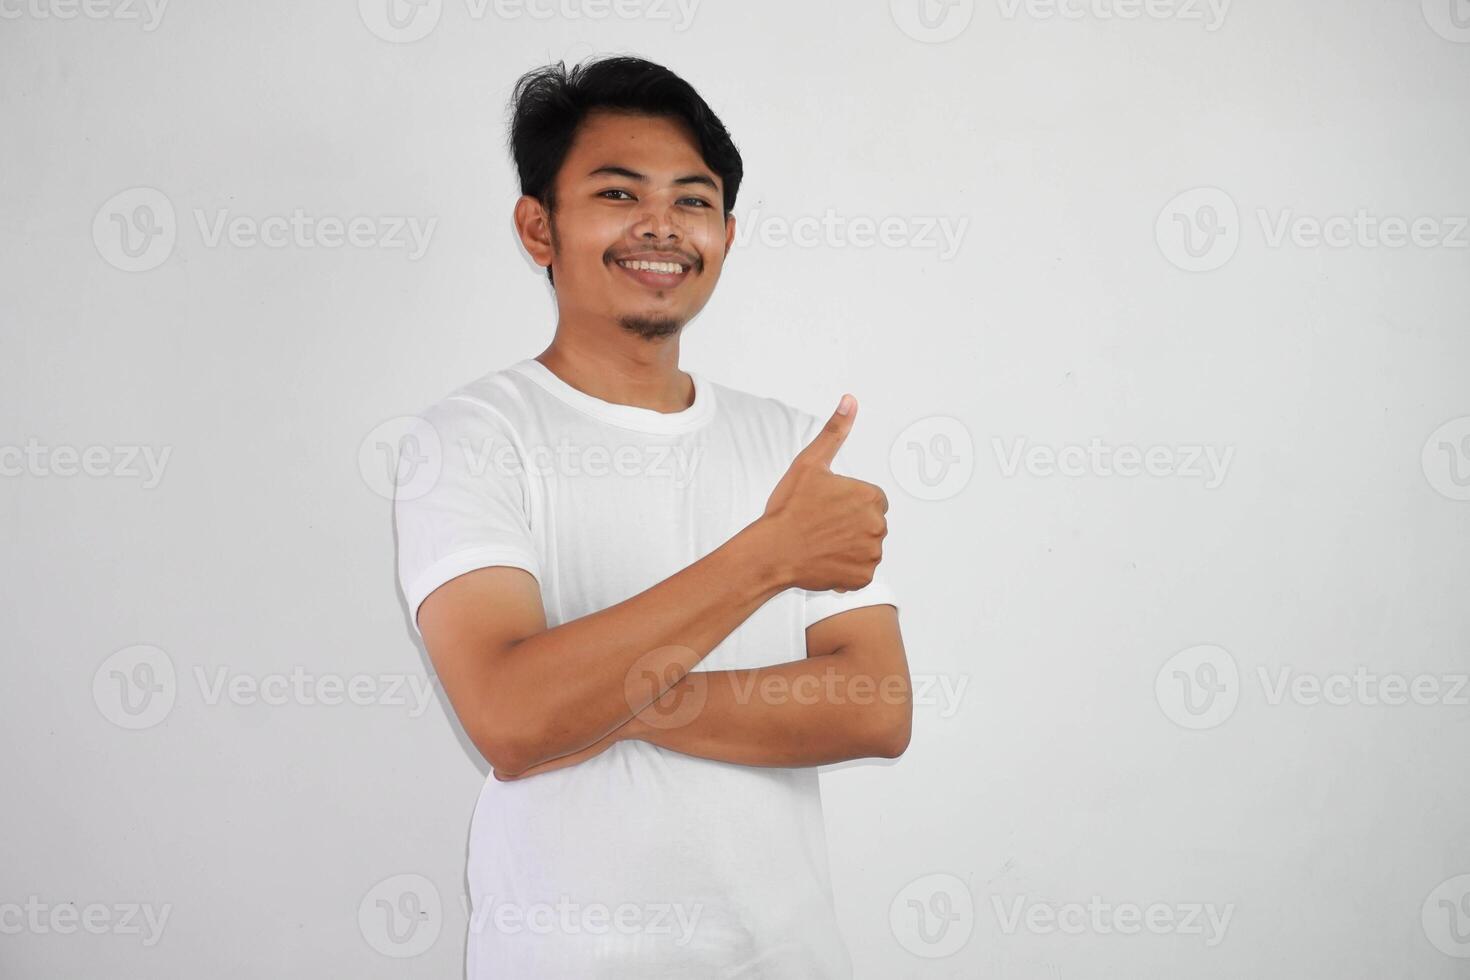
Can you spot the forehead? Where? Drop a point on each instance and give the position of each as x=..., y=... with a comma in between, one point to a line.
x=655, y=145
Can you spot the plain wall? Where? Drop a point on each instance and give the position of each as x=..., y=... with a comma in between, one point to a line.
x=1109, y=668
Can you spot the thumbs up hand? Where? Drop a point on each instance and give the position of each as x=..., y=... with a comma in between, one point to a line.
x=831, y=526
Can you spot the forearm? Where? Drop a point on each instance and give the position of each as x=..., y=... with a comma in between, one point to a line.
x=564, y=689
x=598, y=747
x=852, y=704
x=807, y=713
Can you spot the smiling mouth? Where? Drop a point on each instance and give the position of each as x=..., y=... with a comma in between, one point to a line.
x=658, y=275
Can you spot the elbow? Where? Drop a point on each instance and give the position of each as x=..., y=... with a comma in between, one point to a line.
x=505, y=755
x=511, y=756
x=510, y=746
x=892, y=738
x=891, y=719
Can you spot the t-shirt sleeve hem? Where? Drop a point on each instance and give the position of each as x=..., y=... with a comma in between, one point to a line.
x=459, y=563
x=820, y=605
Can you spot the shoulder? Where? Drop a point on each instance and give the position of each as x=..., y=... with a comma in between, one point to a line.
x=495, y=402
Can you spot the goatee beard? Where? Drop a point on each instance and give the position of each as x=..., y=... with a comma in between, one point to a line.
x=650, y=327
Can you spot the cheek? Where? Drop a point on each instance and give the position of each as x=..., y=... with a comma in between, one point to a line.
x=708, y=237
x=586, y=236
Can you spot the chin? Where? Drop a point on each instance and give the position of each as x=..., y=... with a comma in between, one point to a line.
x=651, y=326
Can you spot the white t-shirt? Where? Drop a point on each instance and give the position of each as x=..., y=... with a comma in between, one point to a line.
x=641, y=862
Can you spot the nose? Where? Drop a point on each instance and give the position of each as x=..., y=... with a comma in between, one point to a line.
x=658, y=221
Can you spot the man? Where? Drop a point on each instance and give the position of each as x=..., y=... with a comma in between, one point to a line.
x=653, y=606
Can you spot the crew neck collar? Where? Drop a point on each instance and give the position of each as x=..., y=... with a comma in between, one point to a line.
x=625, y=416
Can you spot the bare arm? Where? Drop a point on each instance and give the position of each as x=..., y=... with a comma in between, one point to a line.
x=850, y=699
x=853, y=703
x=527, y=694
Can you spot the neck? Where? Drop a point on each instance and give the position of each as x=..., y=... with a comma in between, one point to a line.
x=624, y=371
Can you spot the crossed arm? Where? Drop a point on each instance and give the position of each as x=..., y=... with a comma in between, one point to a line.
x=849, y=699
x=533, y=698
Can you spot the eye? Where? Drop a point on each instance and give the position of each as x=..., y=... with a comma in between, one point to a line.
x=615, y=190
x=701, y=202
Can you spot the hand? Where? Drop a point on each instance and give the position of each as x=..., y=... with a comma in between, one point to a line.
x=831, y=527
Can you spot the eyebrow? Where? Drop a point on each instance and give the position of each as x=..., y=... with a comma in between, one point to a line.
x=616, y=171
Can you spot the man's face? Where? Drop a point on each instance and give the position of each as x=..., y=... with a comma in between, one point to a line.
x=634, y=189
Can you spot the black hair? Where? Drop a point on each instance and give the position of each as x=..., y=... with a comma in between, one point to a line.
x=548, y=104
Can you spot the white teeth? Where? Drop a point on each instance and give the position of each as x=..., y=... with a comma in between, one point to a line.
x=673, y=268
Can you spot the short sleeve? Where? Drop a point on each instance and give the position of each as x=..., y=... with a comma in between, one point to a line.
x=463, y=504
x=819, y=605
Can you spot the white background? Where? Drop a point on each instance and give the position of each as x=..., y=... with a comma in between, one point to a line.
x=1072, y=311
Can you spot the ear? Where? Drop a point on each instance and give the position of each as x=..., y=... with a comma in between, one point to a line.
x=729, y=232
x=533, y=225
